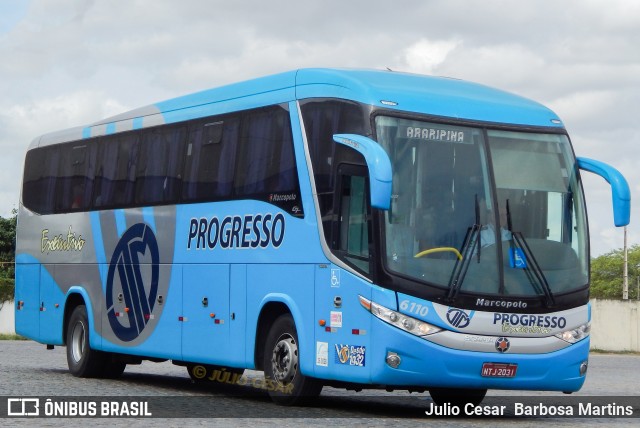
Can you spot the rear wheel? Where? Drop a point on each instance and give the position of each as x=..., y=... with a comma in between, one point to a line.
x=81, y=359
x=284, y=381
x=113, y=367
x=457, y=396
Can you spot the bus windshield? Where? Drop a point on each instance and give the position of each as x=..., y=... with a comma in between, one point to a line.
x=484, y=211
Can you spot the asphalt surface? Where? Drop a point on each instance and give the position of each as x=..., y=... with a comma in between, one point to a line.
x=27, y=369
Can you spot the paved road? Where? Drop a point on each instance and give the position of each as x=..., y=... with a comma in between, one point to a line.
x=28, y=369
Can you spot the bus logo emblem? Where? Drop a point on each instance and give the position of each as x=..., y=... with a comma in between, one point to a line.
x=502, y=345
x=135, y=280
x=458, y=318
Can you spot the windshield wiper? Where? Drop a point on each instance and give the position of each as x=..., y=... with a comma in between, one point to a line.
x=531, y=266
x=471, y=242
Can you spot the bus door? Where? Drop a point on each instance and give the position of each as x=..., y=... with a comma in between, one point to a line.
x=342, y=343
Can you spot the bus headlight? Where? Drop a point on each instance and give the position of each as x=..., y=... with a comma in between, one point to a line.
x=403, y=322
x=576, y=334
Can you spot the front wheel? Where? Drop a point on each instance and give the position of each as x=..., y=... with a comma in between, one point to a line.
x=283, y=379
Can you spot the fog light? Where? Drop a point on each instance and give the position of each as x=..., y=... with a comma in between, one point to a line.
x=583, y=368
x=393, y=360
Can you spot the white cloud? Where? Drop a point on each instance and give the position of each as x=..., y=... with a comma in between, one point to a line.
x=507, y=65
x=63, y=111
x=585, y=106
x=425, y=56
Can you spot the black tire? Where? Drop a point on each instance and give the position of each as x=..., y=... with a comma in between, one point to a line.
x=285, y=383
x=113, y=367
x=457, y=396
x=81, y=359
x=210, y=374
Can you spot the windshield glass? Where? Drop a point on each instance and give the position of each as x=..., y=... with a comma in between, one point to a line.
x=491, y=212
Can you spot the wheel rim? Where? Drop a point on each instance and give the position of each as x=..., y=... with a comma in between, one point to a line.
x=284, y=359
x=78, y=342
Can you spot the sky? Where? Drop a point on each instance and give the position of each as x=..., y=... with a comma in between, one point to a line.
x=68, y=63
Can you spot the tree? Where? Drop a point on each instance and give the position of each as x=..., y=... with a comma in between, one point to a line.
x=607, y=273
x=7, y=257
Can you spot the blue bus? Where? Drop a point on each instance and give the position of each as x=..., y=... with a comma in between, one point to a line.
x=352, y=228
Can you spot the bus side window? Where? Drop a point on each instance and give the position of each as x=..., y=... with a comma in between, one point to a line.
x=75, y=177
x=40, y=176
x=115, y=171
x=210, y=159
x=354, y=224
x=158, y=177
x=323, y=118
x=266, y=162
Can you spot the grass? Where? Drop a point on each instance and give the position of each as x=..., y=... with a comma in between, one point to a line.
x=602, y=351
x=5, y=336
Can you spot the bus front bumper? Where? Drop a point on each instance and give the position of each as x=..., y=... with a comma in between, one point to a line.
x=426, y=364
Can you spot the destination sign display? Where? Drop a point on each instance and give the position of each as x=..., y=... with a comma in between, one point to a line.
x=430, y=132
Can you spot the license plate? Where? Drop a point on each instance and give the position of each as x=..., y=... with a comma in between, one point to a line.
x=499, y=370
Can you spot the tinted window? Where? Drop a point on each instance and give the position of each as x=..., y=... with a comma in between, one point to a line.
x=323, y=119
x=210, y=159
x=74, y=181
x=115, y=171
x=158, y=170
x=243, y=155
x=354, y=228
x=41, y=170
x=266, y=162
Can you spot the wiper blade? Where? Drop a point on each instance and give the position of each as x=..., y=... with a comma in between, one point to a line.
x=535, y=273
x=462, y=264
x=533, y=270
x=471, y=241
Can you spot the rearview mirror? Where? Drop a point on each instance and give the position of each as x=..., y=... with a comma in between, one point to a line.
x=379, y=165
x=620, y=194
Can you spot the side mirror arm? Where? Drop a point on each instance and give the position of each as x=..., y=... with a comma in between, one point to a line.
x=620, y=193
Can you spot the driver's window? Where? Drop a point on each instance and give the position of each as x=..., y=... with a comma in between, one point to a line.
x=354, y=222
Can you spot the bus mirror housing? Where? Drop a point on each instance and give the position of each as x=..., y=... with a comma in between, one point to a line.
x=620, y=194
x=379, y=166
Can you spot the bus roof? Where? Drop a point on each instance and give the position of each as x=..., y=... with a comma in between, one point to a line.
x=436, y=96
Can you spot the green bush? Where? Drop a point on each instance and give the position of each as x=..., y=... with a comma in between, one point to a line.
x=6, y=290
x=607, y=274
